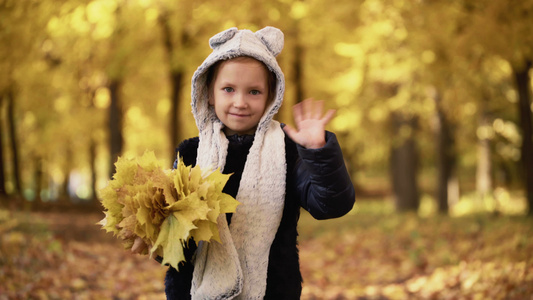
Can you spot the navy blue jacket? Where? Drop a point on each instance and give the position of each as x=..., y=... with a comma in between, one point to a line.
x=317, y=180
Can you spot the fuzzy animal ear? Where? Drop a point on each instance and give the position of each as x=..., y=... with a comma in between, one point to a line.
x=222, y=37
x=272, y=38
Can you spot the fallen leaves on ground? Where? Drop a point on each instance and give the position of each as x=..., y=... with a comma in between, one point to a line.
x=66, y=256
x=371, y=253
x=374, y=254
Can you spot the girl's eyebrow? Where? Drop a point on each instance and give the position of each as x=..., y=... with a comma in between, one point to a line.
x=259, y=88
x=226, y=83
x=253, y=86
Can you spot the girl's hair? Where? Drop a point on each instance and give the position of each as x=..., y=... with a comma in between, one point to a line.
x=213, y=70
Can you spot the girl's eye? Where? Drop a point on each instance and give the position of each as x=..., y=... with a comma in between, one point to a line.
x=255, y=92
x=228, y=89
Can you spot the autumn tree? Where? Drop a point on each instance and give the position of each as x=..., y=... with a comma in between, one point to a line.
x=13, y=137
x=391, y=72
x=12, y=18
x=523, y=85
x=73, y=33
x=3, y=192
x=422, y=89
x=431, y=28
x=495, y=25
x=22, y=25
x=176, y=35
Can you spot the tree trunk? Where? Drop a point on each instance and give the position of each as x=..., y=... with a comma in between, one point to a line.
x=92, y=161
x=65, y=196
x=453, y=190
x=91, y=92
x=13, y=141
x=298, y=73
x=524, y=101
x=175, y=134
x=176, y=75
x=3, y=193
x=403, y=162
x=484, y=162
x=38, y=177
x=116, y=141
x=445, y=158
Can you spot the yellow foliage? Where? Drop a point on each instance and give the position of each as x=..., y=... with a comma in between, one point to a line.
x=164, y=207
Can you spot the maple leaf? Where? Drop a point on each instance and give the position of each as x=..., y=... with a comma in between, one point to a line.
x=170, y=239
x=205, y=231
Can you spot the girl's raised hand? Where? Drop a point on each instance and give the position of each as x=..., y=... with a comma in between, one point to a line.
x=310, y=124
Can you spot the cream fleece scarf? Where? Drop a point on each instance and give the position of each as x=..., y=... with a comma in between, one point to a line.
x=237, y=268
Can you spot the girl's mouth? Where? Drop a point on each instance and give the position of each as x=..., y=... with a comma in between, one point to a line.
x=239, y=115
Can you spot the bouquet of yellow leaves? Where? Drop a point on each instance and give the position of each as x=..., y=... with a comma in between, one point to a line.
x=164, y=207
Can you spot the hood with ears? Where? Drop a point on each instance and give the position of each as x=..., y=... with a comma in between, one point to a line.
x=263, y=45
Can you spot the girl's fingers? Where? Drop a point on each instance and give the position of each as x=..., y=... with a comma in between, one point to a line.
x=307, y=108
x=290, y=131
x=328, y=116
x=311, y=109
x=318, y=107
x=297, y=113
x=138, y=245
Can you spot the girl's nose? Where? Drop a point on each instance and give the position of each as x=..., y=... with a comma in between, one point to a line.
x=239, y=101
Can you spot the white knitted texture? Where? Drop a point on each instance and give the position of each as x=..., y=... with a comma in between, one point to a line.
x=256, y=222
x=237, y=268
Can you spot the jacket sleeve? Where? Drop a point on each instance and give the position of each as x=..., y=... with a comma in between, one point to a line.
x=323, y=184
x=187, y=150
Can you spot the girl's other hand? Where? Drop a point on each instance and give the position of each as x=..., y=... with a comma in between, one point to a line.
x=310, y=124
x=139, y=246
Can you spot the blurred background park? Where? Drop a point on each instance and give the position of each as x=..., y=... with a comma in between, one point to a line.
x=433, y=104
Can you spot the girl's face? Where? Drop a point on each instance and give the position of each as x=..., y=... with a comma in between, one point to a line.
x=240, y=94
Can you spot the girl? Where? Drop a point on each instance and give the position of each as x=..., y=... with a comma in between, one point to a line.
x=276, y=170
